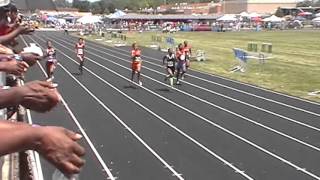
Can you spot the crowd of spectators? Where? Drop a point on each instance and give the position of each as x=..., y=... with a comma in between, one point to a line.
x=56, y=144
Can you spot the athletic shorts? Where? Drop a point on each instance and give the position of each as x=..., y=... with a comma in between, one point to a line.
x=172, y=68
x=182, y=66
x=51, y=61
x=80, y=55
x=136, y=66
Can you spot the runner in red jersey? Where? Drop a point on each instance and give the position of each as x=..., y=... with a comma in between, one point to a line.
x=79, y=48
x=51, y=60
x=181, y=62
x=136, y=63
x=188, y=52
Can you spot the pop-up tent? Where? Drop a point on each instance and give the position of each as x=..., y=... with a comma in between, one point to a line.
x=316, y=19
x=117, y=14
x=227, y=18
x=89, y=19
x=273, y=18
x=244, y=14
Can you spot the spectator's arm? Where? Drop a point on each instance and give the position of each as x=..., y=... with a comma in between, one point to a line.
x=17, y=137
x=10, y=36
x=5, y=50
x=9, y=98
x=13, y=34
x=57, y=145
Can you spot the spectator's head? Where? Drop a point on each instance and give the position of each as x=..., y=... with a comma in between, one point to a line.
x=49, y=44
x=4, y=12
x=13, y=14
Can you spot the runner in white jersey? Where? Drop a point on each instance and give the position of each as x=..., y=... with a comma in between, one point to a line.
x=79, y=48
x=169, y=61
x=51, y=60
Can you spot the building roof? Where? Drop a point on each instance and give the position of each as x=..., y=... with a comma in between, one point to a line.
x=166, y=17
x=274, y=1
x=31, y=5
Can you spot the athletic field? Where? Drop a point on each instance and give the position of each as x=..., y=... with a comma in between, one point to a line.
x=294, y=70
x=208, y=128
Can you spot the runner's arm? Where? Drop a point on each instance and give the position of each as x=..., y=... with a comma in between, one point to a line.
x=76, y=49
x=164, y=59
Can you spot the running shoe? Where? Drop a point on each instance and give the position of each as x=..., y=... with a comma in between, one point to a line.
x=178, y=83
x=50, y=79
x=140, y=83
x=171, y=81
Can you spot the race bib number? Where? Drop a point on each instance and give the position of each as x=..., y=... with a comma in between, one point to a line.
x=183, y=57
x=52, y=60
x=80, y=51
x=170, y=63
x=137, y=59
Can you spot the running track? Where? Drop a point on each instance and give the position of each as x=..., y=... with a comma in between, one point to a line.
x=209, y=128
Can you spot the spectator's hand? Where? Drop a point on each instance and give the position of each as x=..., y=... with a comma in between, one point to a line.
x=24, y=29
x=5, y=50
x=39, y=96
x=30, y=58
x=59, y=146
x=14, y=67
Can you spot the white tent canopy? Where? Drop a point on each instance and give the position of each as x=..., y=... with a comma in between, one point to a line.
x=227, y=18
x=244, y=14
x=117, y=14
x=273, y=18
x=254, y=14
x=316, y=19
x=89, y=19
x=62, y=21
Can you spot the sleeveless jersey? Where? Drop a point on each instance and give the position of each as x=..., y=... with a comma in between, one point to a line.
x=80, y=48
x=170, y=60
x=136, y=54
x=51, y=55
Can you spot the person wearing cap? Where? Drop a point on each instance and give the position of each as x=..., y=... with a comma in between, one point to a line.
x=8, y=32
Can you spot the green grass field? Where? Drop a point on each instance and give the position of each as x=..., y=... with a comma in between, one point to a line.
x=294, y=70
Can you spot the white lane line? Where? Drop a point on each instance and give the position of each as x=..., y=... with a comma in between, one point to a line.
x=216, y=106
x=230, y=80
x=103, y=164
x=170, y=125
x=233, y=99
x=260, y=88
x=208, y=121
x=238, y=90
x=179, y=176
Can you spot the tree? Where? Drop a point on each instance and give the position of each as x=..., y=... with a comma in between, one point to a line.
x=83, y=6
x=307, y=3
x=62, y=3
